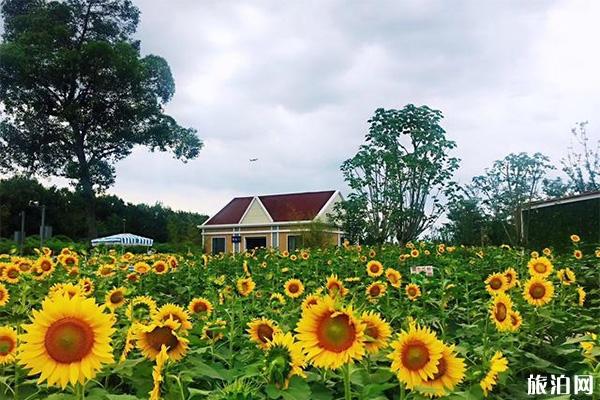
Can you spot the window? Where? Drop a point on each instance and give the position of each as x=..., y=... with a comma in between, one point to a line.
x=218, y=245
x=256, y=242
x=293, y=242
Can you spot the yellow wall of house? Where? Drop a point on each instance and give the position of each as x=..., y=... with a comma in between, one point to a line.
x=255, y=214
x=282, y=238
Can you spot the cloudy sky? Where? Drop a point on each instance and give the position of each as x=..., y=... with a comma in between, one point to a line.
x=293, y=83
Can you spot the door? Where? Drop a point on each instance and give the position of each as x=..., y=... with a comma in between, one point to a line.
x=255, y=242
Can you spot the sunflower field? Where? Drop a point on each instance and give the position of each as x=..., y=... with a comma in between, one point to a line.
x=342, y=323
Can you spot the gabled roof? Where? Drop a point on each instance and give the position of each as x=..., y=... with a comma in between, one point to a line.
x=280, y=207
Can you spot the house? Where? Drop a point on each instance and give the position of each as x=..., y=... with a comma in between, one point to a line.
x=269, y=221
x=549, y=223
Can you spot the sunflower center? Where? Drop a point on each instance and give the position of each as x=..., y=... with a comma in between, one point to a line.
x=514, y=320
x=13, y=273
x=415, y=355
x=200, y=307
x=69, y=261
x=540, y=268
x=293, y=288
x=508, y=277
x=496, y=283
x=412, y=291
x=45, y=265
x=117, y=297
x=336, y=334
x=7, y=345
x=501, y=312
x=374, y=268
x=264, y=333
x=1, y=295
x=537, y=291
x=375, y=291
x=69, y=340
x=372, y=332
x=160, y=268
x=162, y=335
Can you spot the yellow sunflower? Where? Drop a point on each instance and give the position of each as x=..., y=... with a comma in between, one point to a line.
x=150, y=339
x=294, y=288
x=133, y=277
x=566, y=276
x=575, y=238
x=87, y=286
x=105, y=270
x=515, y=320
x=141, y=308
x=115, y=298
x=413, y=291
x=201, y=307
x=498, y=364
x=376, y=290
x=377, y=332
x=578, y=254
x=451, y=371
x=546, y=251
x=69, y=260
x=141, y=268
x=335, y=287
x=284, y=358
x=581, y=294
x=416, y=355
x=8, y=345
x=512, y=278
x=500, y=311
x=374, y=268
x=261, y=331
x=540, y=266
x=68, y=289
x=310, y=301
x=496, y=283
x=4, y=295
x=414, y=253
x=394, y=277
x=245, y=286
x=160, y=267
x=67, y=341
x=45, y=264
x=538, y=291
x=372, y=253
x=331, y=336
x=174, y=312
x=12, y=274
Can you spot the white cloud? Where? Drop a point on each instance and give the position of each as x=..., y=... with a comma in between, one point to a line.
x=293, y=84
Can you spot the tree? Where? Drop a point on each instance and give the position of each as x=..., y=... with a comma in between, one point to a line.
x=78, y=96
x=467, y=223
x=508, y=185
x=582, y=166
x=400, y=175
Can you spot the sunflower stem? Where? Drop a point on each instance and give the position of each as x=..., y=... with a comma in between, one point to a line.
x=346, y=370
x=402, y=391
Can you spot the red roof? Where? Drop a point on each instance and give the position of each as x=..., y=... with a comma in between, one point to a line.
x=281, y=207
x=231, y=213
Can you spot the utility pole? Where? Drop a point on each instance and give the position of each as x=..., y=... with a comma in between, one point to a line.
x=22, y=238
x=43, y=227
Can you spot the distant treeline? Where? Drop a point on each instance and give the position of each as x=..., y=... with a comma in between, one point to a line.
x=65, y=214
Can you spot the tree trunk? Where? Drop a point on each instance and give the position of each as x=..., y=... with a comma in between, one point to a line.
x=87, y=190
x=90, y=209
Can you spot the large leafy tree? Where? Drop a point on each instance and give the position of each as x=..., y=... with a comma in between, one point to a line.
x=76, y=94
x=401, y=174
x=508, y=186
